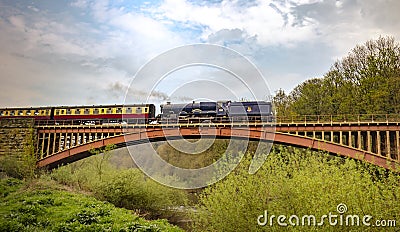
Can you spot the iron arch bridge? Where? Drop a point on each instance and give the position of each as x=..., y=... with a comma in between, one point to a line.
x=375, y=140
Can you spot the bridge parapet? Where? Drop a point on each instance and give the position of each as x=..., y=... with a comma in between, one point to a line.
x=344, y=118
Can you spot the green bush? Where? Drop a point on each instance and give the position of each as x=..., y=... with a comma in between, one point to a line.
x=297, y=182
x=128, y=188
x=131, y=189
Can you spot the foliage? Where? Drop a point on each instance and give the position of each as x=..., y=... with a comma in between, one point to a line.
x=132, y=190
x=298, y=182
x=54, y=210
x=103, y=160
x=8, y=186
x=128, y=188
x=366, y=81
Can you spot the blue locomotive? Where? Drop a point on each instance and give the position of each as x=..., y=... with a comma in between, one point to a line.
x=217, y=111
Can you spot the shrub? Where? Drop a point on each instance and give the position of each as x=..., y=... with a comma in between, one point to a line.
x=297, y=182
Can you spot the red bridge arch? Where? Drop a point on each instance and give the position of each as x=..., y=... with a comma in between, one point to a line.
x=144, y=135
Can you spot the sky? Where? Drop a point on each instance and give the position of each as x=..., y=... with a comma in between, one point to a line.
x=82, y=52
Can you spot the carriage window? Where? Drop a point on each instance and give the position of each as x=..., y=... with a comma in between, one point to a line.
x=129, y=110
x=109, y=111
x=96, y=111
x=86, y=111
x=2, y=113
x=57, y=112
x=77, y=111
x=102, y=111
x=20, y=112
x=146, y=110
x=119, y=110
x=138, y=110
x=28, y=112
x=36, y=112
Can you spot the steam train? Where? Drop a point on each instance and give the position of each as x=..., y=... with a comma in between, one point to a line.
x=146, y=113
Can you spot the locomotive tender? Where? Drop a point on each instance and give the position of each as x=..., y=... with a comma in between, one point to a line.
x=145, y=113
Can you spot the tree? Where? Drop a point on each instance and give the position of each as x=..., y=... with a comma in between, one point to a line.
x=308, y=97
x=281, y=103
x=366, y=81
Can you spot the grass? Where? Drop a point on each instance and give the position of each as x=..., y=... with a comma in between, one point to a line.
x=45, y=206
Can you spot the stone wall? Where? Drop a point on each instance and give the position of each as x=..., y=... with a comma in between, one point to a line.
x=16, y=135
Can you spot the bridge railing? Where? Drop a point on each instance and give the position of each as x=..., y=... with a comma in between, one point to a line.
x=360, y=118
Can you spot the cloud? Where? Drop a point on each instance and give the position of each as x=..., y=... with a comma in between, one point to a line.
x=271, y=24
x=80, y=48
x=130, y=93
x=345, y=23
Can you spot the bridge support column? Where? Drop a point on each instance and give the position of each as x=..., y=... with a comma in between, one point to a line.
x=42, y=148
x=388, y=144
x=60, y=144
x=341, y=137
x=359, y=140
x=350, y=140
x=48, y=145
x=323, y=135
x=54, y=144
x=398, y=145
x=332, y=136
x=378, y=142
x=369, y=148
x=37, y=144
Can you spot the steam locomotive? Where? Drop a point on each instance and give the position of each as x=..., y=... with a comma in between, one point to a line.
x=145, y=113
x=218, y=111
